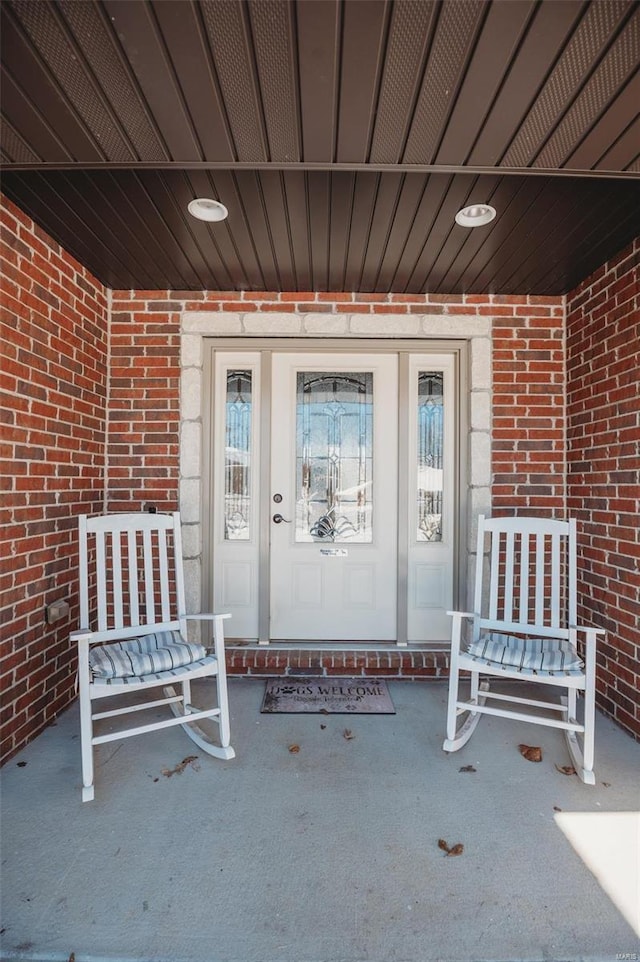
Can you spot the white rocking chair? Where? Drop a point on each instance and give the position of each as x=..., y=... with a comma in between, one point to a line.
x=527, y=631
x=131, y=566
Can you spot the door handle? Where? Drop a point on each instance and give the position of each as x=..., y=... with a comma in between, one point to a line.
x=278, y=519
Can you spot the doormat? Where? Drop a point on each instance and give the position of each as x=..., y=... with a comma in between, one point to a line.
x=327, y=696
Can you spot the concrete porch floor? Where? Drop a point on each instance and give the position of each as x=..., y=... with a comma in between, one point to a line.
x=329, y=854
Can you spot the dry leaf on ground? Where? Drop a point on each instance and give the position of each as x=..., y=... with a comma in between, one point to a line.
x=467, y=768
x=180, y=767
x=348, y=734
x=566, y=769
x=457, y=849
x=294, y=749
x=531, y=752
x=557, y=808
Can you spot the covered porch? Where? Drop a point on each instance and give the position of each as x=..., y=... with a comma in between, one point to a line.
x=329, y=853
x=343, y=138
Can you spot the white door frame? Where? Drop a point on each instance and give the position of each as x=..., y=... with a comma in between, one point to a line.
x=457, y=349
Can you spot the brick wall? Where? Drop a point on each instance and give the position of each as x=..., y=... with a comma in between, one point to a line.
x=54, y=416
x=603, y=409
x=52, y=407
x=528, y=442
x=528, y=363
x=528, y=436
x=144, y=402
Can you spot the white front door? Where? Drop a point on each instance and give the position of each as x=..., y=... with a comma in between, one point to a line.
x=334, y=494
x=334, y=497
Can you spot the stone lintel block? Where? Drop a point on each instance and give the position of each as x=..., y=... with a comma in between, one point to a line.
x=328, y=324
x=211, y=322
x=273, y=324
x=455, y=325
x=385, y=325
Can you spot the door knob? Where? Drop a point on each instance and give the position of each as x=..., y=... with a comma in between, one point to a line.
x=278, y=519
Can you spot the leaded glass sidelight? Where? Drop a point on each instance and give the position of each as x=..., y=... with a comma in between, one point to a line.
x=237, y=463
x=334, y=457
x=430, y=450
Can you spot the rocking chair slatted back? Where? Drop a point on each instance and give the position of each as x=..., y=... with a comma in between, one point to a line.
x=133, y=637
x=532, y=577
x=526, y=631
x=136, y=561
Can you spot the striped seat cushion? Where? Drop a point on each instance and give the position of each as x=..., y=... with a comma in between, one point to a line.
x=161, y=651
x=534, y=654
x=209, y=666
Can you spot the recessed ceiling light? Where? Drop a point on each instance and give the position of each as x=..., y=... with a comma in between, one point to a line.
x=475, y=215
x=206, y=209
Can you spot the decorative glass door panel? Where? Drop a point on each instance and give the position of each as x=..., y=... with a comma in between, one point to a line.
x=430, y=456
x=236, y=474
x=334, y=497
x=334, y=457
x=431, y=488
x=237, y=456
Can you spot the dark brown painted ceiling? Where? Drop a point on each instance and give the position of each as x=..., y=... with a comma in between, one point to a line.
x=343, y=135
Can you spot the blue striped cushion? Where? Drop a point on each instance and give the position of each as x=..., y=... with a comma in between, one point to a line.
x=147, y=655
x=536, y=654
x=210, y=663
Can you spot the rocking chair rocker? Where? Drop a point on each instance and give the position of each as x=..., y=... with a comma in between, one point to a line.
x=527, y=631
x=131, y=565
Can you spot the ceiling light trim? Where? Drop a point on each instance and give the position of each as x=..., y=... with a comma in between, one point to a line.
x=204, y=208
x=475, y=215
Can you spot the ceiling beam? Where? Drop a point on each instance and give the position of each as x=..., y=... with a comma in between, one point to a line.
x=302, y=166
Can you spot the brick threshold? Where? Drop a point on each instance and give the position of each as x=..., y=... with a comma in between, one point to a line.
x=376, y=661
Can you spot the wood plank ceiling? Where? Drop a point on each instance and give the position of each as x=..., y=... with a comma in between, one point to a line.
x=342, y=135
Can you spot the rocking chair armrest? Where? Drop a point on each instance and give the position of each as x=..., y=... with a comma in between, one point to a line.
x=218, y=632
x=456, y=630
x=590, y=639
x=81, y=634
x=205, y=616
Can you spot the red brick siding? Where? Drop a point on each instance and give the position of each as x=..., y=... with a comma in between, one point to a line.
x=401, y=663
x=528, y=443
x=52, y=406
x=603, y=412
x=528, y=361
x=55, y=403
x=144, y=402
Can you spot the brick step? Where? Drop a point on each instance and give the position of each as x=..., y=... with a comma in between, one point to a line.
x=268, y=660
